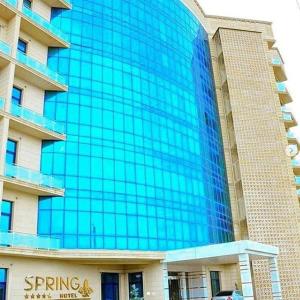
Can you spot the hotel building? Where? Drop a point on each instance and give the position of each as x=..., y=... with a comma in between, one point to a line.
x=145, y=153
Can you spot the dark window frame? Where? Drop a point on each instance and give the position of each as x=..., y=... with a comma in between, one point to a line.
x=3, y=284
x=22, y=46
x=27, y=4
x=15, y=100
x=13, y=153
x=7, y=215
x=215, y=282
x=132, y=281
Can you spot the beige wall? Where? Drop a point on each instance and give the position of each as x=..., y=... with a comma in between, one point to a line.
x=33, y=96
x=42, y=9
x=28, y=150
x=19, y=268
x=24, y=211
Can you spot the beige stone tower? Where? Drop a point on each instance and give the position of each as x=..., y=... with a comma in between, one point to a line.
x=249, y=76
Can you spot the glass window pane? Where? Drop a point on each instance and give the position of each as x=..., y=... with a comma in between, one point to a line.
x=6, y=216
x=136, y=289
x=3, y=279
x=22, y=46
x=16, y=96
x=27, y=3
x=215, y=282
x=11, y=152
x=110, y=286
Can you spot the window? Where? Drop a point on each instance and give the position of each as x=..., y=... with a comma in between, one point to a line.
x=136, y=291
x=22, y=46
x=16, y=96
x=28, y=4
x=215, y=283
x=11, y=152
x=109, y=286
x=6, y=216
x=3, y=279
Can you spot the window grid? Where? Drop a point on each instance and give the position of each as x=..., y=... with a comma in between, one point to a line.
x=143, y=164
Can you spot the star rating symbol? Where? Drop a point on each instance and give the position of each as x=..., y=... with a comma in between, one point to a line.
x=32, y=296
x=38, y=296
x=26, y=296
x=44, y=296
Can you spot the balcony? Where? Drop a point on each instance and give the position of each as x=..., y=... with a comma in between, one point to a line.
x=32, y=123
x=59, y=3
x=278, y=65
x=8, y=9
x=39, y=74
x=292, y=139
x=41, y=29
x=24, y=240
x=296, y=166
x=283, y=93
x=33, y=182
x=288, y=118
x=5, y=52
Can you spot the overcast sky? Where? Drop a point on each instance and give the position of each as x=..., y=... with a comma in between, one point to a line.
x=285, y=15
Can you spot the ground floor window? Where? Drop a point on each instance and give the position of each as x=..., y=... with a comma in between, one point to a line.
x=215, y=282
x=136, y=290
x=109, y=286
x=3, y=279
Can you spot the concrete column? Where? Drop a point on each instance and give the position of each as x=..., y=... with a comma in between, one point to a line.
x=246, y=277
x=275, y=279
x=165, y=281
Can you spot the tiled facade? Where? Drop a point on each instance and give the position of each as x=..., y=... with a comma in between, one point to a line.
x=57, y=127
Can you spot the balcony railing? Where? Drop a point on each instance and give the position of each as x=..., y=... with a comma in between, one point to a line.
x=11, y=2
x=24, y=240
x=33, y=177
x=31, y=116
x=5, y=48
x=287, y=116
x=43, y=22
x=291, y=135
x=277, y=61
x=281, y=87
x=39, y=67
x=296, y=163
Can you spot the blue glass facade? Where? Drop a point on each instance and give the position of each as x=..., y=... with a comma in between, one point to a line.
x=143, y=163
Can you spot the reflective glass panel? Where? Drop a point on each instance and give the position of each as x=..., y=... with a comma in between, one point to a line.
x=6, y=216
x=3, y=279
x=16, y=96
x=22, y=46
x=11, y=151
x=143, y=164
x=110, y=286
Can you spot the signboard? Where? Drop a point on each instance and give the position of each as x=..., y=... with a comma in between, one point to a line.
x=56, y=288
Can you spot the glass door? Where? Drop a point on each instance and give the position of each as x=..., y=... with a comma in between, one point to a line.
x=174, y=288
x=110, y=286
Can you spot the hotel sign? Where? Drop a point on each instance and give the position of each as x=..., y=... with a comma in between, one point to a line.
x=56, y=288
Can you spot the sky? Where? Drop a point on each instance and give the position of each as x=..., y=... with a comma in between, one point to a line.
x=285, y=15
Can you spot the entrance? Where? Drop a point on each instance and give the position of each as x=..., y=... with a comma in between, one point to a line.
x=174, y=287
x=110, y=286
